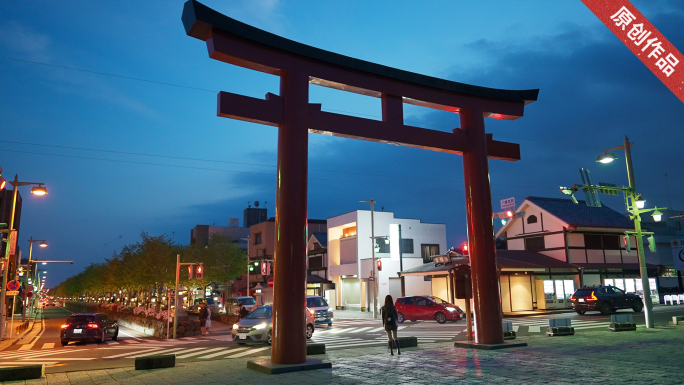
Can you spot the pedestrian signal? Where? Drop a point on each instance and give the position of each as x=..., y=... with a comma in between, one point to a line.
x=465, y=250
x=190, y=269
x=379, y=265
x=199, y=272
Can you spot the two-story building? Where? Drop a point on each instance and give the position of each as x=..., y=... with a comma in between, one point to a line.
x=350, y=253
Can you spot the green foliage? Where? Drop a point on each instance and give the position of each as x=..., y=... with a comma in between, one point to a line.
x=150, y=264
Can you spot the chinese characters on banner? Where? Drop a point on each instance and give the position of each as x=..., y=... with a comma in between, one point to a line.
x=643, y=39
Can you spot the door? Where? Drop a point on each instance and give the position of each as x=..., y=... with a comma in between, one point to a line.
x=521, y=293
x=423, y=309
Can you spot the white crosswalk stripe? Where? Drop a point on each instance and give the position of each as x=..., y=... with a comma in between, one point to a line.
x=48, y=345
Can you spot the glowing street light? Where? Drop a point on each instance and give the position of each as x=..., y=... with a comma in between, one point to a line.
x=606, y=157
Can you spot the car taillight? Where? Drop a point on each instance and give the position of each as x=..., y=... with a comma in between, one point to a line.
x=572, y=297
x=92, y=326
x=593, y=297
x=65, y=326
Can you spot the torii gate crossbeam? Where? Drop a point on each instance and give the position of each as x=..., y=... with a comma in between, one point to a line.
x=298, y=65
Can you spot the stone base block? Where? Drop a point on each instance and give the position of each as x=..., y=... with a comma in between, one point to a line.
x=560, y=331
x=622, y=326
x=22, y=373
x=264, y=365
x=315, y=348
x=509, y=335
x=155, y=362
x=473, y=345
x=407, y=342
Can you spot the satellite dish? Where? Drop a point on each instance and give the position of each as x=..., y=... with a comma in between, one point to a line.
x=256, y=203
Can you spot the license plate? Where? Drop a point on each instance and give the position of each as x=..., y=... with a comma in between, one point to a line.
x=78, y=331
x=320, y=319
x=242, y=336
x=581, y=299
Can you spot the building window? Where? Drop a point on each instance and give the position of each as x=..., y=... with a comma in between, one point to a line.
x=383, y=245
x=426, y=251
x=531, y=219
x=593, y=241
x=316, y=246
x=349, y=232
x=406, y=246
x=257, y=238
x=534, y=243
x=316, y=262
x=678, y=225
x=611, y=242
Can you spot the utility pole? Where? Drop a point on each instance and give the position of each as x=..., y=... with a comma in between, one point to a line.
x=401, y=266
x=175, y=309
x=374, y=273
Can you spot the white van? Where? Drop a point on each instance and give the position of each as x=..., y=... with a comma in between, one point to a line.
x=322, y=313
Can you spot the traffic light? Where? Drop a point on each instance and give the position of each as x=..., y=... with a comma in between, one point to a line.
x=265, y=268
x=379, y=262
x=199, y=272
x=465, y=250
x=190, y=269
x=625, y=240
x=509, y=213
x=652, y=244
x=3, y=182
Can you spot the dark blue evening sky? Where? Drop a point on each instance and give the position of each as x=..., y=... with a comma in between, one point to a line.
x=120, y=155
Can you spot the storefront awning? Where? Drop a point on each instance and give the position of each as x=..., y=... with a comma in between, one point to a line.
x=507, y=260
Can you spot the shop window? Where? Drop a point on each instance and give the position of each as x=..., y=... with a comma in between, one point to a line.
x=426, y=251
x=349, y=232
x=406, y=246
x=593, y=241
x=534, y=243
x=611, y=242
x=531, y=219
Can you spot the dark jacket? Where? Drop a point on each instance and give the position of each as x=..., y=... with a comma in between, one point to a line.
x=204, y=313
x=243, y=312
x=389, y=317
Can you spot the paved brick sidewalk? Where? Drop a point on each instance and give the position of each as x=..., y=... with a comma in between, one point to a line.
x=647, y=356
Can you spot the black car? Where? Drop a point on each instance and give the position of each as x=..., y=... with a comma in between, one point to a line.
x=605, y=299
x=89, y=326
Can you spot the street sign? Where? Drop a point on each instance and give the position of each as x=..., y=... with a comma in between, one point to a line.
x=29, y=288
x=13, y=292
x=29, y=294
x=678, y=254
x=501, y=215
x=270, y=282
x=371, y=279
x=13, y=243
x=508, y=204
x=13, y=286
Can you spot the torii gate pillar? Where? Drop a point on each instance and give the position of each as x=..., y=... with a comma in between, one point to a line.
x=291, y=223
x=485, y=278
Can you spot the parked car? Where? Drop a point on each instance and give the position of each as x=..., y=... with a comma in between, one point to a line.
x=605, y=299
x=323, y=314
x=427, y=308
x=256, y=326
x=88, y=326
x=233, y=304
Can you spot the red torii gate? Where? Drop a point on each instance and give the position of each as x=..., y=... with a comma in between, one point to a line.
x=233, y=42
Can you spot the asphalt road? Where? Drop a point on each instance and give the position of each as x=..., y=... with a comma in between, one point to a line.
x=45, y=348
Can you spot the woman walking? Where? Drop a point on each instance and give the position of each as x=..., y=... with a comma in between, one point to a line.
x=389, y=321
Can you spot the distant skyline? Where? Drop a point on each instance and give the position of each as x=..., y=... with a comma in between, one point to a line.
x=113, y=107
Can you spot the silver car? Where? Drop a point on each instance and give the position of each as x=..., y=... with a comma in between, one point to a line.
x=256, y=326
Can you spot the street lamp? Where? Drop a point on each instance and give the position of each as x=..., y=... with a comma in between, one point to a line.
x=636, y=205
x=38, y=189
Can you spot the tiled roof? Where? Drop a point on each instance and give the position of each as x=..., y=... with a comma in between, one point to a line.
x=322, y=238
x=581, y=215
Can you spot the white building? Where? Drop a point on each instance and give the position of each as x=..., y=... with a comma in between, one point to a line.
x=350, y=256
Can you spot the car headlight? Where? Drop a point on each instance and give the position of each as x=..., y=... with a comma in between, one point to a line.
x=259, y=326
x=451, y=308
x=330, y=311
x=235, y=326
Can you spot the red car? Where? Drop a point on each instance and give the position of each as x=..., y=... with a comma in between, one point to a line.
x=427, y=308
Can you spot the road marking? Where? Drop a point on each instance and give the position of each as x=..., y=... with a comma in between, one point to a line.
x=60, y=359
x=534, y=329
x=26, y=363
x=26, y=347
x=48, y=345
x=196, y=353
x=129, y=353
x=131, y=341
x=112, y=342
x=356, y=344
x=221, y=353
x=248, y=352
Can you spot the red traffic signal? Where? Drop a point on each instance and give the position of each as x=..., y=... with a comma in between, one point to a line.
x=379, y=262
x=509, y=213
x=465, y=250
x=190, y=270
x=3, y=182
x=199, y=272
